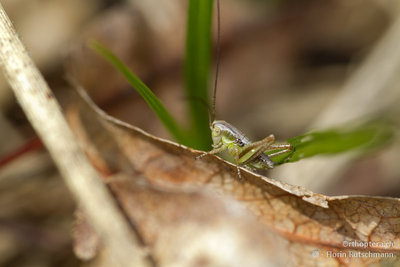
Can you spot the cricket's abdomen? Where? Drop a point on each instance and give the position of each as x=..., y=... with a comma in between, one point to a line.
x=262, y=162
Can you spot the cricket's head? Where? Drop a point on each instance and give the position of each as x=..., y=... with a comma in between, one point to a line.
x=222, y=129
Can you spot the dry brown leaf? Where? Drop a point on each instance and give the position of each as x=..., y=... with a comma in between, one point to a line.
x=170, y=199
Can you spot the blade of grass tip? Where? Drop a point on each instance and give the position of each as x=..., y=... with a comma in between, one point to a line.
x=153, y=102
x=334, y=141
x=197, y=68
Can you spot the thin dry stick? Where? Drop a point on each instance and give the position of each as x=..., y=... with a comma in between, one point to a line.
x=45, y=115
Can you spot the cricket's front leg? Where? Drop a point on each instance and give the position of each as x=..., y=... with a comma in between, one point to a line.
x=217, y=149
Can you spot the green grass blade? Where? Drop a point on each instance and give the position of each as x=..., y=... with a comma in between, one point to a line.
x=197, y=68
x=335, y=141
x=153, y=102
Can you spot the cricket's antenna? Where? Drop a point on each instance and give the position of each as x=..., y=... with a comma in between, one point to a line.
x=218, y=59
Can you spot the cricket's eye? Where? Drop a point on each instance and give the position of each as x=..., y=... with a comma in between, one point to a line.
x=216, y=131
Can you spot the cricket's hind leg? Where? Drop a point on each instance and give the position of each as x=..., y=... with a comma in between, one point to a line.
x=254, y=150
x=286, y=148
x=259, y=160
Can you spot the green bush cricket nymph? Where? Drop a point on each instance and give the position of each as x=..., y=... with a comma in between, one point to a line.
x=227, y=138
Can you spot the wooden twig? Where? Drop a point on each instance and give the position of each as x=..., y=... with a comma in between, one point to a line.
x=44, y=113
